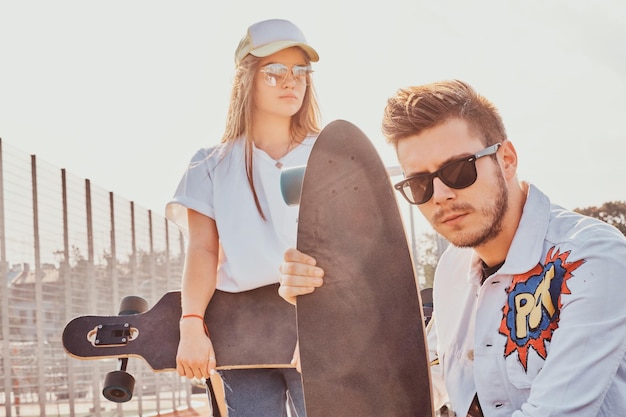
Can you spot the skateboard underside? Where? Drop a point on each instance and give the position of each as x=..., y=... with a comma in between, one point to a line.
x=362, y=344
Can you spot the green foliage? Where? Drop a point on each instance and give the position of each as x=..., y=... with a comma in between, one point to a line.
x=612, y=212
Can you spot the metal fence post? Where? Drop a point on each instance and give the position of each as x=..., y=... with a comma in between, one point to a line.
x=4, y=296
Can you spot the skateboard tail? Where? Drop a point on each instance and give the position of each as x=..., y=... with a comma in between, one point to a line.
x=291, y=184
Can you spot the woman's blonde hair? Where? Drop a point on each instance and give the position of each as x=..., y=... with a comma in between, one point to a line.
x=239, y=118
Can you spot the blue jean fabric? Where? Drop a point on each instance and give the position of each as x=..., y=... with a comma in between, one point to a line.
x=263, y=392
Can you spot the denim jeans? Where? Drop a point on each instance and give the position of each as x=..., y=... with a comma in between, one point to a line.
x=263, y=392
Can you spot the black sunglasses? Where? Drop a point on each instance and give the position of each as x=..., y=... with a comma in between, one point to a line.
x=457, y=174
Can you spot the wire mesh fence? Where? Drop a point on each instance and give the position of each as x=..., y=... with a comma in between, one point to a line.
x=69, y=248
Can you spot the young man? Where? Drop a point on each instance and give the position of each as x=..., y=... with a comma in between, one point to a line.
x=530, y=316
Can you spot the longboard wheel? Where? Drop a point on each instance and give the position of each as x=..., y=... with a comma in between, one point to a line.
x=291, y=184
x=133, y=304
x=118, y=386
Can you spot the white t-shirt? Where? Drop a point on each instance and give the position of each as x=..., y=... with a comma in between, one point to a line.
x=215, y=184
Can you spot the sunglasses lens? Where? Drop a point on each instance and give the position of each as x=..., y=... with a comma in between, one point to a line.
x=300, y=72
x=459, y=174
x=274, y=73
x=418, y=190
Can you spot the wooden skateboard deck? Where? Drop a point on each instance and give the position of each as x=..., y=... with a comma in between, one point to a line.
x=254, y=328
x=361, y=335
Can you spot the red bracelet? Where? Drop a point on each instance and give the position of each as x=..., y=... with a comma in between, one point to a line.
x=206, y=329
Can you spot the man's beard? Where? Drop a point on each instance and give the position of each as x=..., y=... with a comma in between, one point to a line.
x=493, y=213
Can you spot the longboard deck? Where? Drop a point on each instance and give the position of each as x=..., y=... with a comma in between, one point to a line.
x=362, y=340
x=252, y=329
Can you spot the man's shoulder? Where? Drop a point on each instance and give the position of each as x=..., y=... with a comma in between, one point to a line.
x=576, y=227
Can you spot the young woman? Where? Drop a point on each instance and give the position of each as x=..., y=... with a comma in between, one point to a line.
x=229, y=206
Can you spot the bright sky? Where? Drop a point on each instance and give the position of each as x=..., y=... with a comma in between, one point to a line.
x=125, y=92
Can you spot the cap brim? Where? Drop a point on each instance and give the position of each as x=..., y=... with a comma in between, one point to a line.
x=273, y=47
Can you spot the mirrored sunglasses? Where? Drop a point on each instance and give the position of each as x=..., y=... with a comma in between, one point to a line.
x=458, y=174
x=276, y=73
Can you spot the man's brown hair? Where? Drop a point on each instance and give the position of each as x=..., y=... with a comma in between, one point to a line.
x=418, y=108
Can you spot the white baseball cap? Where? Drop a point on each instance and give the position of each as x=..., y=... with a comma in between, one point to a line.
x=270, y=36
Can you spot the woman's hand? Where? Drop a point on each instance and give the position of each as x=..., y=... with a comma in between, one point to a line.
x=195, y=357
x=299, y=275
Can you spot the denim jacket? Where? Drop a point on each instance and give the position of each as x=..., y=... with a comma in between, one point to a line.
x=546, y=334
